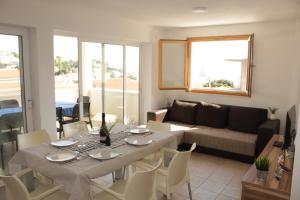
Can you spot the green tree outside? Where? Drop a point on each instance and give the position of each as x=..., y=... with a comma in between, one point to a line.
x=219, y=83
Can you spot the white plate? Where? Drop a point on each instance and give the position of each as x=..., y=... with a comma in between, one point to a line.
x=103, y=154
x=138, y=141
x=139, y=130
x=61, y=156
x=94, y=132
x=63, y=143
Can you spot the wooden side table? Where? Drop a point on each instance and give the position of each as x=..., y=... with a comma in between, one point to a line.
x=272, y=189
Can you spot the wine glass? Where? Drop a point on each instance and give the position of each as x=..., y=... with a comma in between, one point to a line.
x=279, y=170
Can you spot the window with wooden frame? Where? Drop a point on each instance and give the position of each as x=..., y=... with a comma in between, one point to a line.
x=220, y=65
x=172, y=72
x=215, y=64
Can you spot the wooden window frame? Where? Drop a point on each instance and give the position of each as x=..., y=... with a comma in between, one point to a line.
x=160, y=66
x=249, y=37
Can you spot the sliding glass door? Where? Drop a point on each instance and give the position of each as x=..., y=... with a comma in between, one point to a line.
x=92, y=77
x=66, y=69
x=114, y=82
x=110, y=76
x=132, y=85
x=12, y=109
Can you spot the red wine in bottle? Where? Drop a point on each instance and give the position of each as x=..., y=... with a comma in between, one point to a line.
x=103, y=130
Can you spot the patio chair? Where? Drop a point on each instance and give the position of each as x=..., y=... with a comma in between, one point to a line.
x=10, y=103
x=59, y=119
x=6, y=137
x=86, y=110
x=87, y=114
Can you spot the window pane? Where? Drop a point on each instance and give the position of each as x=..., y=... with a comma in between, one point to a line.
x=11, y=116
x=132, y=85
x=219, y=65
x=92, y=78
x=66, y=68
x=113, y=82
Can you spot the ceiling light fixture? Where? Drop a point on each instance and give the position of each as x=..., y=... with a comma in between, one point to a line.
x=199, y=9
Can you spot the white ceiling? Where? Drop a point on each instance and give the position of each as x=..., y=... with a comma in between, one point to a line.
x=178, y=13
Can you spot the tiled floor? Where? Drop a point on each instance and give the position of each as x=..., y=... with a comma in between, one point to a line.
x=212, y=178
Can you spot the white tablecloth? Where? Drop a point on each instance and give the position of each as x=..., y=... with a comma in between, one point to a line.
x=75, y=176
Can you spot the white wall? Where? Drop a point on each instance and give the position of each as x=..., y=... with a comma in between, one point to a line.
x=274, y=79
x=296, y=173
x=43, y=19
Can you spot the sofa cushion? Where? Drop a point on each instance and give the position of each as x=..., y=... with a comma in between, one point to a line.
x=222, y=139
x=183, y=112
x=212, y=115
x=246, y=119
x=179, y=129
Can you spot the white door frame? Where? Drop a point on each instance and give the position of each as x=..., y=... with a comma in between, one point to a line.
x=25, y=72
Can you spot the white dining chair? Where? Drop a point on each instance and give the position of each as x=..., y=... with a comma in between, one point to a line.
x=139, y=186
x=170, y=177
x=16, y=190
x=75, y=128
x=158, y=126
x=33, y=138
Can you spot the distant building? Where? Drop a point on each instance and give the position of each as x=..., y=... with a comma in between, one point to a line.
x=8, y=60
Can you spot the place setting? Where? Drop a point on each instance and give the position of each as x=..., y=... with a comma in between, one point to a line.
x=61, y=156
x=64, y=142
x=71, y=149
x=103, y=154
x=139, y=137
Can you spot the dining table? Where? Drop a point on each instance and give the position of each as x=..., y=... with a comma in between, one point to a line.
x=11, y=118
x=76, y=175
x=67, y=107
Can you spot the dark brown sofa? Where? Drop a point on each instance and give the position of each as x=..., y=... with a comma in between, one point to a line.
x=236, y=132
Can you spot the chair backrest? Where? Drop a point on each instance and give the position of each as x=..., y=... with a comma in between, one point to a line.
x=8, y=136
x=158, y=126
x=10, y=103
x=178, y=167
x=59, y=113
x=14, y=188
x=141, y=185
x=1, y=172
x=59, y=118
x=33, y=138
x=85, y=99
x=75, y=128
x=86, y=109
x=86, y=106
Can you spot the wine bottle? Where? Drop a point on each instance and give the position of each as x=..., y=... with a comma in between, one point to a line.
x=103, y=130
x=107, y=141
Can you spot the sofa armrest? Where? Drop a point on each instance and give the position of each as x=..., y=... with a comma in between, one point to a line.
x=157, y=115
x=265, y=133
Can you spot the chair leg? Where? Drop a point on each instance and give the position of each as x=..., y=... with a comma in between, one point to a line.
x=113, y=176
x=90, y=122
x=190, y=190
x=2, y=156
x=169, y=196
